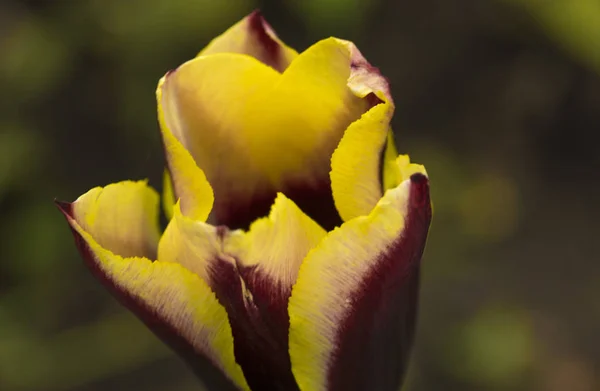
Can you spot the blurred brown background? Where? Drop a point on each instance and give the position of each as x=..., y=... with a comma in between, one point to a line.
x=499, y=99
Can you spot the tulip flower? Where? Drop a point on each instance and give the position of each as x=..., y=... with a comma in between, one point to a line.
x=291, y=257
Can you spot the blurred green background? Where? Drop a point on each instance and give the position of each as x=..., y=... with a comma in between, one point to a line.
x=500, y=99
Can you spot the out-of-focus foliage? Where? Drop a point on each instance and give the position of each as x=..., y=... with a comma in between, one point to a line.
x=573, y=24
x=346, y=16
x=499, y=99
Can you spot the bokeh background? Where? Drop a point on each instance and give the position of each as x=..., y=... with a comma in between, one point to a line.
x=499, y=98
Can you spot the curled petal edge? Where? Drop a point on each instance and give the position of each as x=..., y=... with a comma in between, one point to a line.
x=355, y=170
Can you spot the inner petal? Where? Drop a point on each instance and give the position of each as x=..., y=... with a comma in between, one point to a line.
x=254, y=131
x=255, y=37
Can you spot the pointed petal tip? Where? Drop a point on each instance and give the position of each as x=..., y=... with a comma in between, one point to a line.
x=420, y=190
x=258, y=26
x=255, y=37
x=256, y=14
x=170, y=71
x=66, y=208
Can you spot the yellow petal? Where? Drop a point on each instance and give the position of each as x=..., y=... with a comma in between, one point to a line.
x=355, y=164
x=200, y=104
x=276, y=245
x=254, y=131
x=175, y=303
x=189, y=182
x=123, y=217
x=351, y=300
x=193, y=244
x=253, y=36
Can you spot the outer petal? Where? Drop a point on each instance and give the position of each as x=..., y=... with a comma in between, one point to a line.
x=252, y=274
x=255, y=132
x=355, y=164
x=253, y=36
x=353, y=309
x=173, y=302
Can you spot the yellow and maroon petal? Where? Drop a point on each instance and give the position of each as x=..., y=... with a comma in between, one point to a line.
x=269, y=256
x=252, y=274
x=356, y=164
x=115, y=230
x=255, y=132
x=352, y=310
x=253, y=36
x=274, y=247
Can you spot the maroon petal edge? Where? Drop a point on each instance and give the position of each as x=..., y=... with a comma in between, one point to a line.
x=206, y=371
x=377, y=336
x=270, y=53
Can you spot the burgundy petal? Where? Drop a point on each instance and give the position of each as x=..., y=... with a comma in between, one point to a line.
x=378, y=333
x=259, y=322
